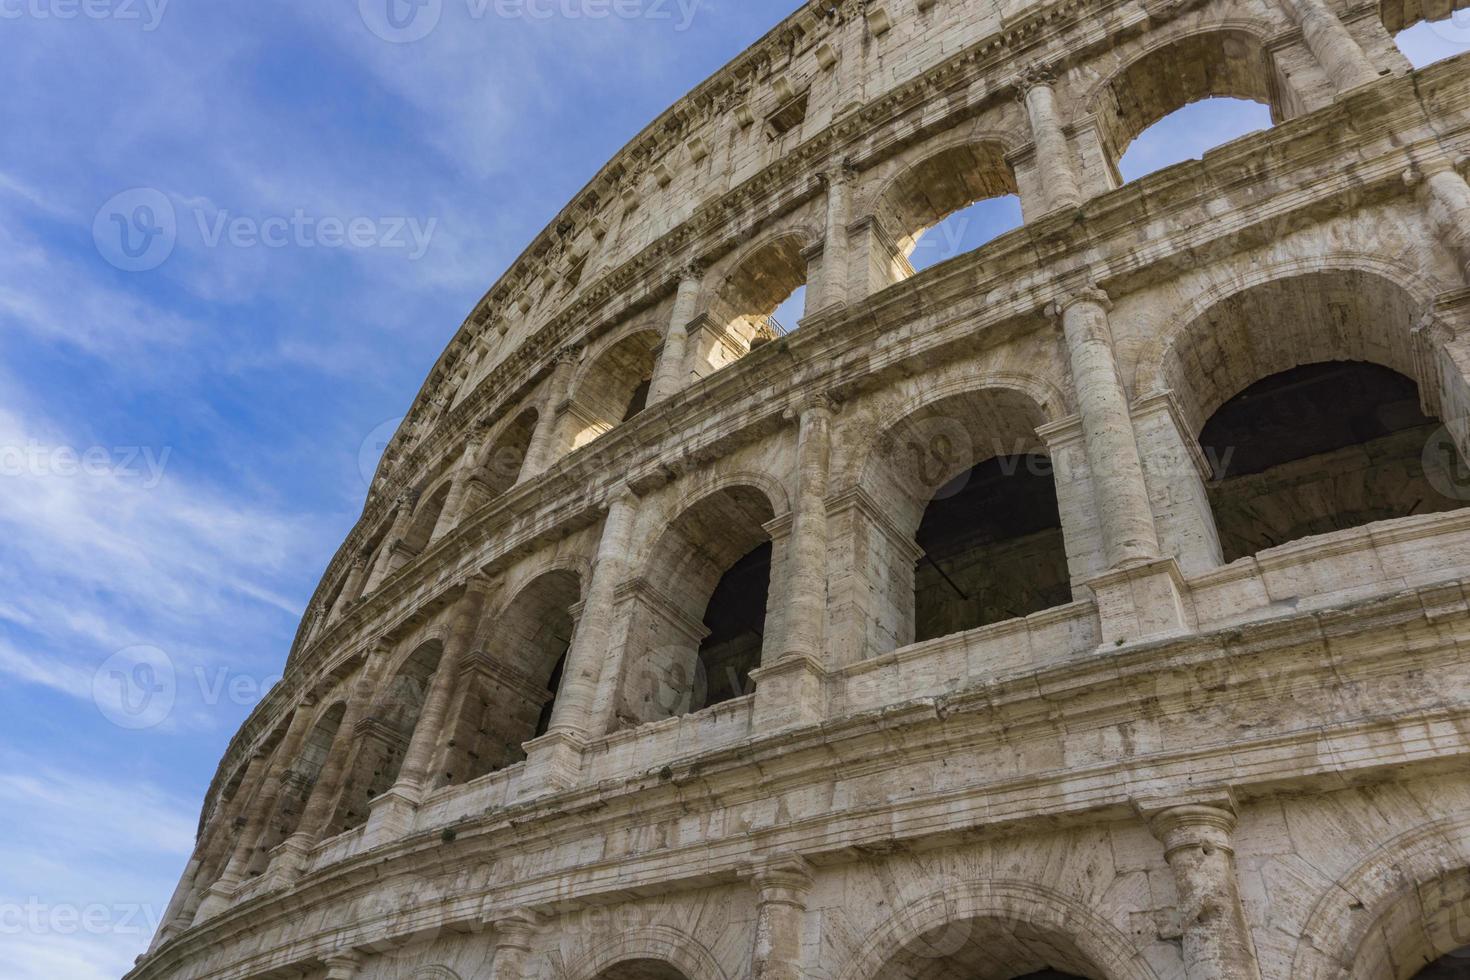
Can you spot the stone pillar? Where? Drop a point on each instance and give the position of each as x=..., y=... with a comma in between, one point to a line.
x=318, y=615
x=806, y=581
x=413, y=773
x=782, y=886
x=1107, y=430
x=1177, y=472
x=513, y=936
x=835, y=265
x=1332, y=44
x=1053, y=156
x=541, y=453
x=217, y=849
x=402, y=520
x=450, y=516
x=344, y=965
x=1446, y=197
x=591, y=663
x=289, y=860
x=672, y=371
x=1197, y=845
x=258, y=814
x=351, y=589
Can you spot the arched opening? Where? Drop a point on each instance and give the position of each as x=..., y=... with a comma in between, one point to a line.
x=1187, y=133
x=641, y=970
x=947, y=204
x=1454, y=965
x=1303, y=393
x=300, y=781
x=966, y=478
x=987, y=948
x=1426, y=31
x=697, y=620
x=501, y=463
x=383, y=737
x=1215, y=65
x=743, y=312
x=508, y=690
x=615, y=387
x=421, y=530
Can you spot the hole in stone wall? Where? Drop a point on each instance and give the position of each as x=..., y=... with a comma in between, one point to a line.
x=993, y=550
x=1321, y=448
x=1426, y=31
x=1188, y=132
x=736, y=619
x=966, y=230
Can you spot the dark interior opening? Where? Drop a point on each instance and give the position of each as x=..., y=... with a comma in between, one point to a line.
x=1316, y=449
x=736, y=620
x=1050, y=975
x=639, y=401
x=543, y=723
x=1454, y=965
x=992, y=548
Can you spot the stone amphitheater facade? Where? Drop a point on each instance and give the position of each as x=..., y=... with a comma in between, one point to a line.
x=1120, y=712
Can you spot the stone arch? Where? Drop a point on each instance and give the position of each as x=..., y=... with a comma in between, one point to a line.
x=1172, y=69
x=1313, y=398
x=970, y=532
x=1395, y=911
x=966, y=916
x=499, y=463
x=951, y=175
x=379, y=751
x=303, y=773
x=665, y=945
x=611, y=383
x=434, y=972
x=426, y=515
x=682, y=654
x=506, y=692
x=739, y=304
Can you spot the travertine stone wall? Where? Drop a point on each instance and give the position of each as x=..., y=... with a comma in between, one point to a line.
x=1193, y=769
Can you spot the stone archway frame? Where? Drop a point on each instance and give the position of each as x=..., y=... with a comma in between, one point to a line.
x=1106, y=947
x=1334, y=941
x=663, y=943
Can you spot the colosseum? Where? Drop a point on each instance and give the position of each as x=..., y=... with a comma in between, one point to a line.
x=1042, y=613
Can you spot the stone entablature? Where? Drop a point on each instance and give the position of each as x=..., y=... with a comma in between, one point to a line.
x=1135, y=774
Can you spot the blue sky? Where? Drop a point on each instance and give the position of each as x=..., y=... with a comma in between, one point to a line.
x=182, y=447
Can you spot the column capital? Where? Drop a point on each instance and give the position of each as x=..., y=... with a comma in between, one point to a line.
x=843, y=171
x=624, y=493
x=1089, y=293
x=343, y=965
x=821, y=402
x=691, y=271
x=1194, y=825
x=516, y=929
x=782, y=879
x=570, y=354
x=359, y=560
x=1032, y=75
x=408, y=499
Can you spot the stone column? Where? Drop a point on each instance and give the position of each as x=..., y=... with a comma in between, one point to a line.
x=513, y=936
x=413, y=773
x=1107, y=430
x=217, y=849
x=1334, y=47
x=258, y=814
x=806, y=579
x=318, y=614
x=782, y=886
x=542, y=450
x=1053, y=156
x=454, y=502
x=290, y=858
x=402, y=520
x=1197, y=845
x=836, y=268
x=590, y=660
x=344, y=965
x=351, y=589
x=1446, y=197
x=672, y=372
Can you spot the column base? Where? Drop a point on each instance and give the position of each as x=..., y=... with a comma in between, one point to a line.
x=287, y=863
x=553, y=763
x=391, y=816
x=216, y=900
x=789, y=693
x=1146, y=601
